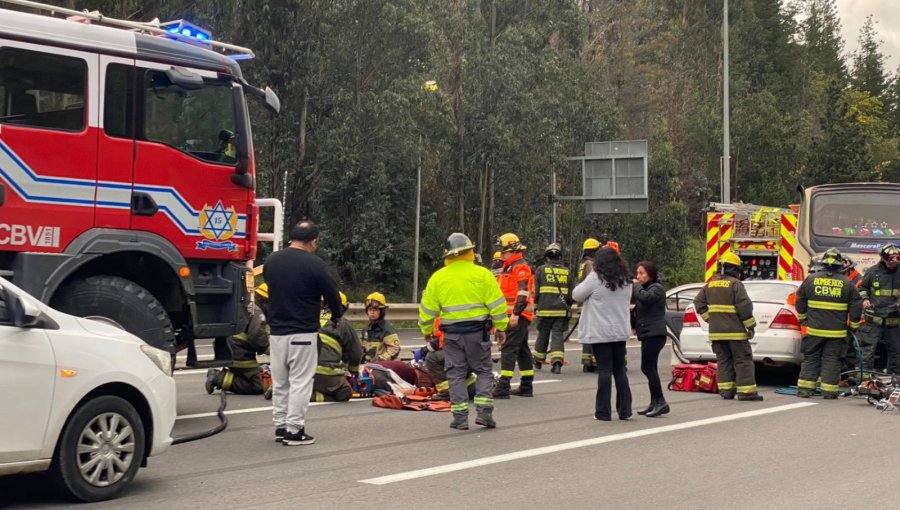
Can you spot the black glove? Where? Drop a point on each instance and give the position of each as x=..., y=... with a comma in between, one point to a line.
x=751, y=332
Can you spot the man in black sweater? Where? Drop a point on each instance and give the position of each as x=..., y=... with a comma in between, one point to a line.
x=298, y=282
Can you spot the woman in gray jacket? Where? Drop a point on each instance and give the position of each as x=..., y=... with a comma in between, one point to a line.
x=605, y=325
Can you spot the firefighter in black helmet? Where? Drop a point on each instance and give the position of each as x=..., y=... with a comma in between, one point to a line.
x=825, y=300
x=880, y=289
x=553, y=288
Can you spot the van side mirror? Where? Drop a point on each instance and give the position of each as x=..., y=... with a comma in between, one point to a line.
x=272, y=101
x=23, y=313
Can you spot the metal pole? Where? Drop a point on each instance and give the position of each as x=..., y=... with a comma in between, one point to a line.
x=726, y=126
x=415, y=285
x=552, y=205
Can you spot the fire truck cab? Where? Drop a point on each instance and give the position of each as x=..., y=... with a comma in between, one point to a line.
x=127, y=173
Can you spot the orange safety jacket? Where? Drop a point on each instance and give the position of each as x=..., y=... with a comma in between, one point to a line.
x=517, y=284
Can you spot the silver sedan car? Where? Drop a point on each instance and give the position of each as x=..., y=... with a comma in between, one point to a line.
x=777, y=339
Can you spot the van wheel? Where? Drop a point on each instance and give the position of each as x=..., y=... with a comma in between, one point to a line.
x=121, y=301
x=99, y=451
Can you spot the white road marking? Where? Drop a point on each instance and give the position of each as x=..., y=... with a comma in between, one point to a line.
x=269, y=408
x=534, y=452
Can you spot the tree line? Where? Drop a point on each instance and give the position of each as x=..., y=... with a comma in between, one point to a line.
x=520, y=86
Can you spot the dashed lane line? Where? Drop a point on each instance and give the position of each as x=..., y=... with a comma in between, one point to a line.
x=546, y=450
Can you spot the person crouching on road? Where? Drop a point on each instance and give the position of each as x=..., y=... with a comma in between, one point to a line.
x=340, y=348
x=517, y=284
x=649, y=299
x=824, y=303
x=605, y=326
x=298, y=281
x=245, y=377
x=467, y=299
x=724, y=303
x=379, y=339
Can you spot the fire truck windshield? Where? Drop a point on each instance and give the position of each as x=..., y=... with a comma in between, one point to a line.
x=856, y=214
x=200, y=122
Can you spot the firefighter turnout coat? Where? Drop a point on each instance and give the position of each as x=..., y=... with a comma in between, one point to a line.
x=341, y=350
x=725, y=305
x=824, y=302
x=554, y=290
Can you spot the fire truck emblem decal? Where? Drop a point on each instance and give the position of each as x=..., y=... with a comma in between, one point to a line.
x=217, y=225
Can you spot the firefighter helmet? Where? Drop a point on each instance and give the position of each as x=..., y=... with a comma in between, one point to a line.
x=553, y=251
x=590, y=244
x=497, y=256
x=510, y=242
x=344, y=301
x=263, y=290
x=832, y=259
x=729, y=258
x=376, y=300
x=614, y=245
x=457, y=243
x=890, y=253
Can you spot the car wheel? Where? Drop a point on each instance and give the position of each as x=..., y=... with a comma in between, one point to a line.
x=99, y=451
x=121, y=301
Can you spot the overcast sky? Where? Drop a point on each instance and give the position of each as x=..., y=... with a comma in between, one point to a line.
x=887, y=23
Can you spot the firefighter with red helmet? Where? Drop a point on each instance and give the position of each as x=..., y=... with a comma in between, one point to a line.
x=880, y=290
x=588, y=248
x=245, y=376
x=824, y=302
x=339, y=358
x=517, y=284
x=724, y=303
x=554, y=297
x=379, y=338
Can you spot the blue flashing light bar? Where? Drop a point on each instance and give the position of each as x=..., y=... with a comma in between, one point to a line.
x=187, y=29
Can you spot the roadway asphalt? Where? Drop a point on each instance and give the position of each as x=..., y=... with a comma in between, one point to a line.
x=548, y=450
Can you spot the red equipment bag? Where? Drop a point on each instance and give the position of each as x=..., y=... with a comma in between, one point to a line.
x=686, y=377
x=709, y=380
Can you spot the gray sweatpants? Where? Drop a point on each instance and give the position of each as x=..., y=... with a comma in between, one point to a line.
x=464, y=352
x=293, y=360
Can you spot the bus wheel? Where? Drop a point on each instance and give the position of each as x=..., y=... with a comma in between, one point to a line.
x=122, y=302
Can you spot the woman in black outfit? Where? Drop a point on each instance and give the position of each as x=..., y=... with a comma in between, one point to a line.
x=649, y=299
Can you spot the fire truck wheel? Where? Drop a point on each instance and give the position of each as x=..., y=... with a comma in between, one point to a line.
x=121, y=301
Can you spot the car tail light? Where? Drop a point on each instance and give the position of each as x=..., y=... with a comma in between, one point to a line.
x=690, y=318
x=785, y=319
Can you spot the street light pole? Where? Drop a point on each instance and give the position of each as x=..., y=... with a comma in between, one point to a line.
x=415, y=286
x=726, y=122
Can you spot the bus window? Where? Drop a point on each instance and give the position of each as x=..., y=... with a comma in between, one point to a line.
x=869, y=214
x=42, y=90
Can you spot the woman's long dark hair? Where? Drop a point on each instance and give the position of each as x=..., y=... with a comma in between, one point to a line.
x=610, y=267
x=650, y=269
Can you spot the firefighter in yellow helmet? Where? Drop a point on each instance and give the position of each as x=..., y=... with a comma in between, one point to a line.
x=379, y=338
x=724, y=303
x=468, y=301
x=245, y=377
x=497, y=263
x=586, y=267
x=517, y=284
x=339, y=357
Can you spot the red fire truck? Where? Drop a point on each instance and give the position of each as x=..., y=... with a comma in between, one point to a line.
x=127, y=172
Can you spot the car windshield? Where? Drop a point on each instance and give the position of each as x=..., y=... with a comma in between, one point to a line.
x=768, y=291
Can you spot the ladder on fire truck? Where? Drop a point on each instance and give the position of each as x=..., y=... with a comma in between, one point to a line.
x=173, y=30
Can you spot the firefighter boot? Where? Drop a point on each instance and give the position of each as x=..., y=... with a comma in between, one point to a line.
x=501, y=388
x=460, y=422
x=214, y=380
x=750, y=397
x=525, y=388
x=556, y=368
x=728, y=394
x=485, y=418
x=589, y=367
x=804, y=393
